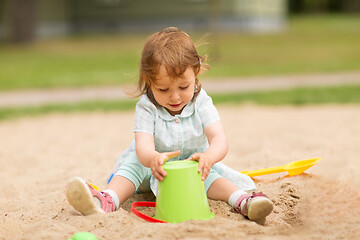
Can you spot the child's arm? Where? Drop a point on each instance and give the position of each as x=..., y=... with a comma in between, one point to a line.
x=145, y=151
x=218, y=148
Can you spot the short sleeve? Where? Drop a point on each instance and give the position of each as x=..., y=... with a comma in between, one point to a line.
x=206, y=109
x=145, y=116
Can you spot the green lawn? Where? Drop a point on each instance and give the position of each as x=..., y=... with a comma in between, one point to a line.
x=311, y=45
x=349, y=94
x=297, y=97
x=327, y=43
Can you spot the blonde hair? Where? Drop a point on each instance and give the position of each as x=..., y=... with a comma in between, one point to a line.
x=173, y=49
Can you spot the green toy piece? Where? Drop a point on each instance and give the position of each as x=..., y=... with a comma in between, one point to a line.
x=83, y=236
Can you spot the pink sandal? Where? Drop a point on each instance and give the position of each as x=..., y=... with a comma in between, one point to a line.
x=81, y=196
x=256, y=206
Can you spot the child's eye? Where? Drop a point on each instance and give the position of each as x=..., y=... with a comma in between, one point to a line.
x=183, y=88
x=163, y=89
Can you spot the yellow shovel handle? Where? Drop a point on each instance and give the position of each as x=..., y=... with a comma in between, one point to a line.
x=259, y=172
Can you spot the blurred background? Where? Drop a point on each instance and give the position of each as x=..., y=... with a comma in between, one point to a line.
x=25, y=20
x=47, y=44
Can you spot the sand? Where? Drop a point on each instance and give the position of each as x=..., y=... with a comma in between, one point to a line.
x=38, y=155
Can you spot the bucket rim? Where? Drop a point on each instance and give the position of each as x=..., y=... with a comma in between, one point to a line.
x=179, y=164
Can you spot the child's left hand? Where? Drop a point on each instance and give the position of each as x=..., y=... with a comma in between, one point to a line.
x=205, y=163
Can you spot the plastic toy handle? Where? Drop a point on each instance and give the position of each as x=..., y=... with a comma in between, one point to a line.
x=141, y=215
x=259, y=172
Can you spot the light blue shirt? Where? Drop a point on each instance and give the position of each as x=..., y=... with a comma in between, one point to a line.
x=184, y=132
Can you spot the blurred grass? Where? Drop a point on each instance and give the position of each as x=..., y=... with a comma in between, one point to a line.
x=348, y=94
x=328, y=43
x=312, y=44
x=104, y=106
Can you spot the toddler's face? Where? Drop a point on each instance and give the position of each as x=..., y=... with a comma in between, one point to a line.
x=174, y=94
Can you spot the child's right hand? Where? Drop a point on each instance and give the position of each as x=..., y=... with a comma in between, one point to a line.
x=155, y=165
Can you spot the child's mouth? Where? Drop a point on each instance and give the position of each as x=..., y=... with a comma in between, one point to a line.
x=175, y=105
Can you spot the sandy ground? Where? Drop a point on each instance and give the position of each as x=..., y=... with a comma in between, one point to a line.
x=39, y=155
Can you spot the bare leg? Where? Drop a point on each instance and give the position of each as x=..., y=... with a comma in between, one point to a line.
x=221, y=189
x=123, y=187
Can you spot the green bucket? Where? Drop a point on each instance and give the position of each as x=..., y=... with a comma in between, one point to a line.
x=181, y=195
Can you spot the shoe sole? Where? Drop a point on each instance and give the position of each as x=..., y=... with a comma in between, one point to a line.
x=259, y=209
x=79, y=196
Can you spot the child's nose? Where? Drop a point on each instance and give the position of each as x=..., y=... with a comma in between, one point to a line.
x=174, y=96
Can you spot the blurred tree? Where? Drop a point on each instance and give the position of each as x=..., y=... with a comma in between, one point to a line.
x=351, y=5
x=214, y=12
x=311, y=6
x=71, y=9
x=295, y=6
x=20, y=17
